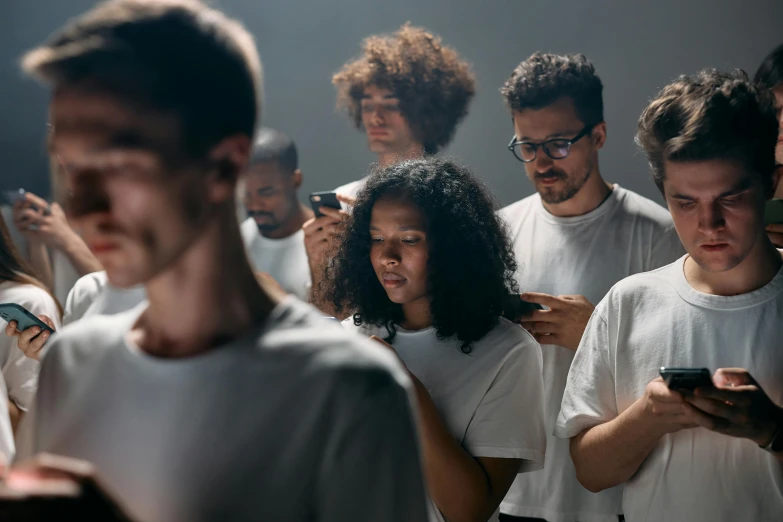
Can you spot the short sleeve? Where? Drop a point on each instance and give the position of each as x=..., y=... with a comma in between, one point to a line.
x=370, y=469
x=666, y=250
x=82, y=296
x=589, y=398
x=21, y=372
x=509, y=420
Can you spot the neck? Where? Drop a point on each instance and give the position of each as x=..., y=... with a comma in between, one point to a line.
x=415, y=151
x=292, y=225
x=755, y=271
x=223, y=297
x=590, y=196
x=417, y=315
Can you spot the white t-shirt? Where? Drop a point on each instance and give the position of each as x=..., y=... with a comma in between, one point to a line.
x=297, y=421
x=657, y=319
x=352, y=188
x=19, y=373
x=491, y=399
x=284, y=259
x=583, y=255
x=94, y=295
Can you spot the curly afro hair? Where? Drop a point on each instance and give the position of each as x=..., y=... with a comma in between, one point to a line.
x=542, y=79
x=471, y=266
x=434, y=85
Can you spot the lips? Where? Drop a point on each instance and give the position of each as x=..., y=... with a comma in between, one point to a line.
x=714, y=247
x=392, y=280
x=377, y=133
x=100, y=247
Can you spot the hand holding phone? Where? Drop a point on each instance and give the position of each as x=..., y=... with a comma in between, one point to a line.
x=687, y=379
x=31, y=332
x=324, y=199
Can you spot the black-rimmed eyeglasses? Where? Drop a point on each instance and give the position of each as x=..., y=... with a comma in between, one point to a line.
x=557, y=148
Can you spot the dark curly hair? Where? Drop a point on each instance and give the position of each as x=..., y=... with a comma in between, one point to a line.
x=471, y=266
x=434, y=85
x=543, y=79
x=710, y=115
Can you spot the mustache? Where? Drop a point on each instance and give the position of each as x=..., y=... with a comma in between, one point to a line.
x=256, y=213
x=551, y=173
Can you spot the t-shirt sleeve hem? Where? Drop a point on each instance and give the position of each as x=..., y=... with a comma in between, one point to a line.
x=572, y=429
x=532, y=459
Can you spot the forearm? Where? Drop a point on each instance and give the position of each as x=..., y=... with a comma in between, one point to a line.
x=40, y=262
x=609, y=454
x=15, y=414
x=79, y=255
x=456, y=482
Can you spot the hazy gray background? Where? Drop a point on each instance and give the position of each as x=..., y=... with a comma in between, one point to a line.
x=636, y=47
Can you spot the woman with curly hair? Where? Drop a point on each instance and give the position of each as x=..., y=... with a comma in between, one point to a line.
x=426, y=267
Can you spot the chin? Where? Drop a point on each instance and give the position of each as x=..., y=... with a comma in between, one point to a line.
x=717, y=263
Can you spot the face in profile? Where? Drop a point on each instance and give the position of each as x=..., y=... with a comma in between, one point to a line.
x=387, y=130
x=718, y=209
x=399, y=250
x=558, y=180
x=136, y=200
x=270, y=195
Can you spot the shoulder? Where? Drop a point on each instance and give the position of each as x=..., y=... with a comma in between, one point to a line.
x=32, y=297
x=519, y=209
x=249, y=230
x=352, y=188
x=88, y=286
x=508, y=339
x=88, y=338
x=642, y=287
x=643, y=209
x=328, y=352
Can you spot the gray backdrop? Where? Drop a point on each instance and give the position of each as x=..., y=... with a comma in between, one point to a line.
x=636, y=47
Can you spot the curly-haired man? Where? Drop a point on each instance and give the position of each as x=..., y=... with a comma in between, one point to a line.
x=408, y=92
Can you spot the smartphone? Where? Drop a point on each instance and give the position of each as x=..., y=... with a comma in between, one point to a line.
x=324, y=199
x=12, y=196
x=24, y=319
x=687, y=378
x=773, y=212
x=515, y=308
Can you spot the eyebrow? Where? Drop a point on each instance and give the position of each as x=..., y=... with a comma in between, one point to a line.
x=741, y=187
x=130, y=139
x=404, y=228
x=392, y=97
x=551, y=136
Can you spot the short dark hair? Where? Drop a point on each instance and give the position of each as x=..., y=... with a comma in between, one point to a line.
x=274, y=146
x=434, y=85
x=770, y=72
x=178, y=56
x=707, y=116
x=543, y=79
x=471, y=265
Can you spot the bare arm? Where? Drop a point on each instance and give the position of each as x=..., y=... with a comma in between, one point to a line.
x=463, y=487
x=609, y=454
x=15, y=414
x=79, y=255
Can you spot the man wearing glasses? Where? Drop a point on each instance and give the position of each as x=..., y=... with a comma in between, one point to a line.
x=574, y=239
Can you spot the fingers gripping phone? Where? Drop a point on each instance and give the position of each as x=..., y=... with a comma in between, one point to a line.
x=686, y=378
x=324, y=199
x=24, y=319
x=515, y=308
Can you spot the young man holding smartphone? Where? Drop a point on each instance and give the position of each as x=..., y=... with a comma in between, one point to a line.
x=713, y=454
x=573, y=239
x=220, y=398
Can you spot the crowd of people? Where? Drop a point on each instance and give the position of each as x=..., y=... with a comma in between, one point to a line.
x=488, y=364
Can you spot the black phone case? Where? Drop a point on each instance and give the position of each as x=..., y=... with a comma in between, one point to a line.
x=24, y=319
x=324, y=199
x=686, y=378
